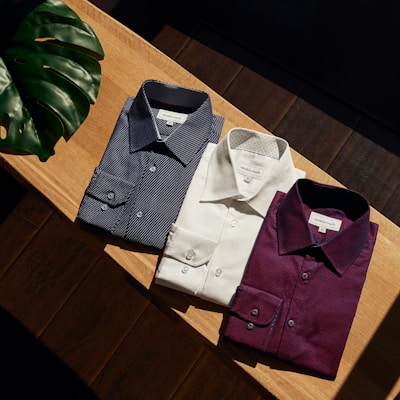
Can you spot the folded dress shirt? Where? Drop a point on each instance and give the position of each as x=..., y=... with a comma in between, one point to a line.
x=304, y=277
x=209, y=244
x=136, y=191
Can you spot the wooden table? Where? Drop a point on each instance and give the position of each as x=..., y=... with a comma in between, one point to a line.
x=372, y=349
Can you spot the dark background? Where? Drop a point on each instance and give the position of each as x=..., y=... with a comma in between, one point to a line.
x=347, y=48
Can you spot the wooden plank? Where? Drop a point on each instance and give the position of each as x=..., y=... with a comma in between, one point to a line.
x=49, y=268
x=210, y=378
x=95, y=320
x=368, y=168
x=261, y=98
x=314, y=132
x=12, y=192
x=63, y=179
x=20, y=227
x=151, y=362
x=207, y=64
x=392, y=208
x=31, y=371
x=171, y=41
x=105, y=5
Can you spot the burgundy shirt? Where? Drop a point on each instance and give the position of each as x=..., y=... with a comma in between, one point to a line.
x=304, y=277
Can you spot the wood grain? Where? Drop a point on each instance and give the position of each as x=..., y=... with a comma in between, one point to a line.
x=371, y=170
x=163, y=355
x=62, y=180
x=20, y=227
x=314, y=132
x=95, y=320
x=260, y=98
x=40, y=273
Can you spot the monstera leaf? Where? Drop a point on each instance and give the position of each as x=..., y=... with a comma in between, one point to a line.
x=49, y=76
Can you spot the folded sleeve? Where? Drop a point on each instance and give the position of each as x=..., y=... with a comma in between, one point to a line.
x=252, y=316
x=183, y=265
x=104, y=200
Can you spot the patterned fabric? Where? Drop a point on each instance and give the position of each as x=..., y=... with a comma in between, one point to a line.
x=209, y=244
x=304, y=277
x=137, y=189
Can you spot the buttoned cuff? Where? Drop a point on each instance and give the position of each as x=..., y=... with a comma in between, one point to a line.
x=104, y=200
x=252, y=316
x=184, y=262
x=109, y=188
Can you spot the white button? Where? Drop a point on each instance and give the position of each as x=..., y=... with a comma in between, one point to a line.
x=290, y=322
x=250, y=326
x=104, y=207
x=110, y=195
x=234, y=223
x=254, y=311
x=185, y=269
x=248, y=179
x=304, y=276
x=218, y=272
x=139, y=214
x=153, y=168
x=189, y=255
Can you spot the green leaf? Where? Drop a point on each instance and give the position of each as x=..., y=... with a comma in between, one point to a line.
x=49, y=76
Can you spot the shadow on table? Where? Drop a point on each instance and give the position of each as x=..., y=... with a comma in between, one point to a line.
x=346, y=49
x=31, y=370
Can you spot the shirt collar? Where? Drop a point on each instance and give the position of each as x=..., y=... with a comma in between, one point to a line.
x=293, y=229
x=143, y=130
x=221, y=180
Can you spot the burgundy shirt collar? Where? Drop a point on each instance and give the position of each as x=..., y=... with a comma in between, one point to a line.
x=293, y=230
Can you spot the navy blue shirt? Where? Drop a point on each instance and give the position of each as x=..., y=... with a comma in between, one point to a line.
x=137, y=189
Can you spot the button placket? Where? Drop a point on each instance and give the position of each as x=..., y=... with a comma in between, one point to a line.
x=304, y=276
x=139, y=214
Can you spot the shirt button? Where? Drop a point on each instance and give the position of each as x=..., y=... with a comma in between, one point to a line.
x=304, y=276
x=110, y=195
x=104, y=207
x=189, y=255
x=254, y=311
x=290, y=323
x=139, y=214
x=218, y=272
x=153, y=168
x=185, y=269
x=250, y=326
x=233, y=223
x=248, y=179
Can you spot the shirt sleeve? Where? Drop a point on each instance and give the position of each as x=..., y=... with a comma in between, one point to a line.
x=252, y=316
x=184, y=263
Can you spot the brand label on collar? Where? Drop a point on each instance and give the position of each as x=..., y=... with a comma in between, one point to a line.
x=171, y=117
x=253, y=171
x=324, y=222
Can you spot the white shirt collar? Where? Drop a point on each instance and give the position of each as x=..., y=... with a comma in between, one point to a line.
x=221, y=181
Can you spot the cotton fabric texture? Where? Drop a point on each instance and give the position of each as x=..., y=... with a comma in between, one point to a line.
x=209, y=243
x=136, y=191
x=303, y=280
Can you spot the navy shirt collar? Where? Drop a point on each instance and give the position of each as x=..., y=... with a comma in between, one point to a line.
x=294, y=234
x=143, y=130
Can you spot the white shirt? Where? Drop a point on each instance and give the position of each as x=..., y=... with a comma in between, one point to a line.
x=210, y=242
